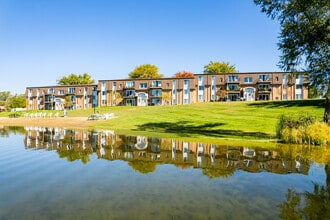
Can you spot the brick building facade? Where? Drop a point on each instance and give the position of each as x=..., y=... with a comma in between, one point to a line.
x=171, y=91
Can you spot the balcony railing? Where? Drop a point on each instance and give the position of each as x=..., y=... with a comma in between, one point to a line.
x=264, y=90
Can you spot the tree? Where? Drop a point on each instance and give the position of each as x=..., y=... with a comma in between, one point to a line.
x=183, y=74
x=166, y=97
x=17, y=101
x=68, y=101
x=4, y=97
x=145, y=71
x=304, y=39
x=219, y=67
x=74, y=79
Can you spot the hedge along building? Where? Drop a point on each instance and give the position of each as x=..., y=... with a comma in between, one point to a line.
x=171, y=91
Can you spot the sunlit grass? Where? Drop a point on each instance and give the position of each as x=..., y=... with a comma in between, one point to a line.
x=203, y=121
x=207, y=120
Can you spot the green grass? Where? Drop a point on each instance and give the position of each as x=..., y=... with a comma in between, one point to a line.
x=250, y=121
x=230, y=120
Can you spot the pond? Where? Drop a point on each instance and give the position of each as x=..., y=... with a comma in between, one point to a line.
x=56, y=173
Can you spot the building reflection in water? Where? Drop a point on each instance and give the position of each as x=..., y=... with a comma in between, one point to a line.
x=215, y=160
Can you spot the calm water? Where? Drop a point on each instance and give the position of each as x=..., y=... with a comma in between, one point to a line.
x=67, y=174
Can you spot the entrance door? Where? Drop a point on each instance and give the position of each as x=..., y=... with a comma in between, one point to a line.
x=249, y=94
x=142, y=99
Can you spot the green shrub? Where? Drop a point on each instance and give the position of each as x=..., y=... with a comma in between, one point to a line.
x=14, y=115
x=300, y=129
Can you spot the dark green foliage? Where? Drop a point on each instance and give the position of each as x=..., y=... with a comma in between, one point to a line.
x=304, y=39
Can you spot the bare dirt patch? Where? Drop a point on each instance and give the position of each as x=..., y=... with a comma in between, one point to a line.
x=67, y=122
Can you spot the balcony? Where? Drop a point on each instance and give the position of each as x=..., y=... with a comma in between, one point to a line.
x=129, y=96
x=234, y=91
x=156, y=95
x=264, y=90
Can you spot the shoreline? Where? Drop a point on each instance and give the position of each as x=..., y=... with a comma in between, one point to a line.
x=67, y=122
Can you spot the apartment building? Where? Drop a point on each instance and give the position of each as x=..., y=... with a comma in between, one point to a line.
x=61, y=96
x=203, y=88
x=172, y=91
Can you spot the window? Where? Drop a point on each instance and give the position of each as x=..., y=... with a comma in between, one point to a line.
x=143, y=85
x=299, y=86
x=213, y=88
x=156, y=93
x=263, y=97
x=61, y=92
x=156, y=83
x=232, y=78
x=130, y=93
x=264, y=77
x=156, y=101
x=299, y=96
x=174, y=92
x=130, y=102
x=130, y=84
x=233, y=97
x=263, y=86
x=71, y=90
x=233, y=87
x=186, y=91
x=51, y=90
x=248, y=80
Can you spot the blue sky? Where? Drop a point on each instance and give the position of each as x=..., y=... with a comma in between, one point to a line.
x=43, y=40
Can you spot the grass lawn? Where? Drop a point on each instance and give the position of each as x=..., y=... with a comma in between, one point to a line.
x=231, y=120
x=208, y=122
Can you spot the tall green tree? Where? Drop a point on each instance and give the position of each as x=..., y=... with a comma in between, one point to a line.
x=145, y=71
x=4, y=96
x=17, y=101
x=74, y=79
x=219, y=67
x=304, y=39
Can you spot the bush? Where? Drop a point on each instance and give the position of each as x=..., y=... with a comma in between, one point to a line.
x=299, y=129
x=318, y=133
x=14, y=115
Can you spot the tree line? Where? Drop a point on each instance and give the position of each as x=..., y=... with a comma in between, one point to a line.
x=9, y=101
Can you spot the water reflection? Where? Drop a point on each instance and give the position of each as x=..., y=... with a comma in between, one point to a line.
x=222, y=182
x=144, y=153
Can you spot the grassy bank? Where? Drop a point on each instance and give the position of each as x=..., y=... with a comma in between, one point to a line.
x=203, y=121
x=231, y=120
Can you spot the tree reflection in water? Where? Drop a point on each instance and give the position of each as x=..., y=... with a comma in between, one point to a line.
x=143, y=166
x=307, y=205
x=143, y=154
